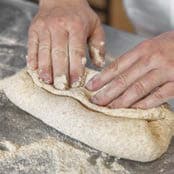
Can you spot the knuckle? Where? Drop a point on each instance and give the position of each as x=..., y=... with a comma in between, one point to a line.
x=171, y=85
x=121, y=81
x=44, y=46
x=113, y=66
x=77, y=24
x=57, y=22
x=77, y=51
x=126, y=98
x=154, y=59
x=44, y=67
x=158, y=55
x=147, y=44
x=45, y=35
x=44, y=64
x=32, y=47
x=58, y=52
x=123, y=99
x=170, y=65
x=158, y=95
x=161, y=60
x=31, y=30
x=142, y=105
x=33, y=42
x=40, y=23
x=139, y=88
x=52, y=26
x=146, y=61
x=61, y=21
x=101, y=100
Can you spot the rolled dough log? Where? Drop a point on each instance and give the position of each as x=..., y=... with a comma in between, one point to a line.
x=83, y=95
x=135, y=139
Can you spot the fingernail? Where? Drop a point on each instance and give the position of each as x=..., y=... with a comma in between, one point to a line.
x=138, y=106
x=48, y=81
x=76, y=84
x=94, y=100
x=75, y=81
x=45, y=77
x=100, y=62
x=110, y=106
x=84, y=61
x=61, y=82
x=91, y=83
x=102, y=43
x=115, y=105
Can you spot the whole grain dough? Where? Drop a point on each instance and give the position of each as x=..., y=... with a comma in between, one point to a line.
x=124, y=136
x=82, y=95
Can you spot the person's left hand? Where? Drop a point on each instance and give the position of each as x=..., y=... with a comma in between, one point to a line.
x=141, y=78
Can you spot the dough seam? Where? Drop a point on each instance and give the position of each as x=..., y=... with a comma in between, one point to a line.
x=82, y=95
x=134, y=139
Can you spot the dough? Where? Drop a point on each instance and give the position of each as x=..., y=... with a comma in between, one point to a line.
x=130, y=138
x=83, y=95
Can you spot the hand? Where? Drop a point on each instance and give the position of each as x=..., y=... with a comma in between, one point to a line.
x=57, y=41
x=141, y=78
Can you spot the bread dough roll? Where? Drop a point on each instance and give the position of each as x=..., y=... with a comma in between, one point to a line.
x=82, y=95
x=122, y=136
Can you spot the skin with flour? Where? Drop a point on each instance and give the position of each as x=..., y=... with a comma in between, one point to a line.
x=124, y=136
x=141, y=78
x=57, y=41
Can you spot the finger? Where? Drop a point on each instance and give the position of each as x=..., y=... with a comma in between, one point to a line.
x=60, y=60
x=118, y=66
x=139, y=89
x=44, y=57
x=97, y=46
x=161, y=95
x=77, y=44
x=120, y=83
x=33, y=42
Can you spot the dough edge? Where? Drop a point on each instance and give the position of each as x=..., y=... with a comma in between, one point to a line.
x=82, y=95
x=157, y=133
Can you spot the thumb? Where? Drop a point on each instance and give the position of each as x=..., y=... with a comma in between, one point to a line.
x=97, y=45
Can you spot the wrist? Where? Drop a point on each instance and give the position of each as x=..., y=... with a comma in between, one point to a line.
x=52, y=3
x=46, y=3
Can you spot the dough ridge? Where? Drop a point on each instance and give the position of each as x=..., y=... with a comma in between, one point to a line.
x=129, y=138
x=82, y=95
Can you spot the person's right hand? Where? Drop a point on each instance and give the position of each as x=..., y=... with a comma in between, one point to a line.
x=57, y=40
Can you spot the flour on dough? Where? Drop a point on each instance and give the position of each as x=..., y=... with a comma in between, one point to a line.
x=82, y=95
x=120, y=136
